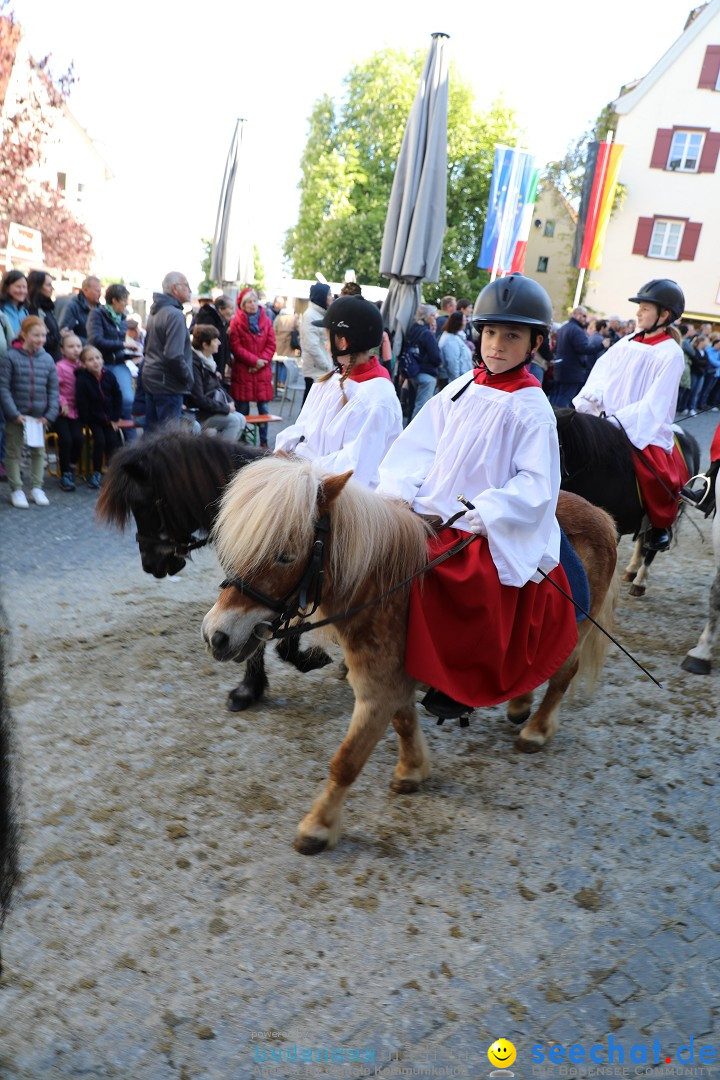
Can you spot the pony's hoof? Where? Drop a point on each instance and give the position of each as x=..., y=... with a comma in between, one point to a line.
x=629, y=575
x=404, y=786
x=696, y=666
x=636, y=590
x=519, y=718
x=238, y=700
x=528, y=746
x=310, y=845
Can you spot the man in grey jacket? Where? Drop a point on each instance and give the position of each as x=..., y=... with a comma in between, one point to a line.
x=167, y=368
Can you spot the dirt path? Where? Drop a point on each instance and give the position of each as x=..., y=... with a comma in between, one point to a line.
x=164, y=919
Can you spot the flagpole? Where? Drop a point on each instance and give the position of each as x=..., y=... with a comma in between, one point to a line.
x=581, y=276
x=505, y=217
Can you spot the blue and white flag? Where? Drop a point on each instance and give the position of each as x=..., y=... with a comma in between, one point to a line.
x=510, y=189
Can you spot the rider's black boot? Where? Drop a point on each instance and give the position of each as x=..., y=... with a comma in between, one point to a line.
x=443, y=706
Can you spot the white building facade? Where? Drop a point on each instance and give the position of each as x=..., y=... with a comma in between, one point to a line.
x=669, y=224
x=71, y=163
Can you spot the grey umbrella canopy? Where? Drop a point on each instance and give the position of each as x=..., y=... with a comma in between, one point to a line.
x=415, y=222
x=232, y=250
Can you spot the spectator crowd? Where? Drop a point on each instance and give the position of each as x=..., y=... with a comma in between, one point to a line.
x=92, y=375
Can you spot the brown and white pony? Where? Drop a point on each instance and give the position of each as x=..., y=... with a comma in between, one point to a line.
x=264, y=534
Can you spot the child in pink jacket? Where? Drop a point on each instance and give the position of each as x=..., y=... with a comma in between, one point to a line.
x=68, y=426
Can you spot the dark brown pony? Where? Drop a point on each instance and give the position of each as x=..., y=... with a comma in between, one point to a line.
x=597, y=463
x=265, y=533
x=171, y=483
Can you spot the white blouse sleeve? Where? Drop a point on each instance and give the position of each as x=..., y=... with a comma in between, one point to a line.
x=520, y=516
x=289, y=437
x=589, y=400
x=410, y=458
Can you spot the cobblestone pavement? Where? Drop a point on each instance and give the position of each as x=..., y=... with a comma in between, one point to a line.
x=165, y=928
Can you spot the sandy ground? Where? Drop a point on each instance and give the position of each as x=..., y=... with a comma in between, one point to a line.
x=164, y=920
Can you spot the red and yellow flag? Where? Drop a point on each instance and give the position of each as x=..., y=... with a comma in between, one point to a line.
x=596, y=206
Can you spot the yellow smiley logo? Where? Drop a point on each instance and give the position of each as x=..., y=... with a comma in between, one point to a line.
x=501, y=1054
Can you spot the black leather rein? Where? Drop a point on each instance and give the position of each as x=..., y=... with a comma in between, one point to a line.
x=307, y=593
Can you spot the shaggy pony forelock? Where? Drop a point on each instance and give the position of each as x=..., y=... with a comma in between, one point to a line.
x=270, y=509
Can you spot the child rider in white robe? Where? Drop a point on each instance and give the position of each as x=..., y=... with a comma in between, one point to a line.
x=352, y=416
x=485, y=626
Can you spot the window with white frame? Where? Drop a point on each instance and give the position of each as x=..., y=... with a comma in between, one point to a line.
x=685, y=151
x=666, y=239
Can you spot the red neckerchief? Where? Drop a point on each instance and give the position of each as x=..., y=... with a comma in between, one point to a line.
x=519, y=379
x=655, y=341
x=372, y=369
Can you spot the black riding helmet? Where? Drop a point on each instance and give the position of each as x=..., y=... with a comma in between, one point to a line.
x=664, y=293
x=355, y=319
x=514, y=299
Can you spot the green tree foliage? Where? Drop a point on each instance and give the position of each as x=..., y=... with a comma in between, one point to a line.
x=207, y=284
x=348, y=167
x=568, y=173
x=259, y=269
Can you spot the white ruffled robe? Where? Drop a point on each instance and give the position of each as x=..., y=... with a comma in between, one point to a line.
x=340, y=437
x=497, y=445
x=637, y=384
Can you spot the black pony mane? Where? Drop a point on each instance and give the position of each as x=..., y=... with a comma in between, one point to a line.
x=592, y=440
x=188, y=472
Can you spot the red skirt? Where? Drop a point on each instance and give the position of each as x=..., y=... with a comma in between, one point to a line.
x=715, y=445
x=477, y=640
x=660, y=493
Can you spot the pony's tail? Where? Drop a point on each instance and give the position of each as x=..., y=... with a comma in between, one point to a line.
x=593, y=650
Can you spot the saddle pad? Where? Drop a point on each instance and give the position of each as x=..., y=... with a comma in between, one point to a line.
x=575, y=572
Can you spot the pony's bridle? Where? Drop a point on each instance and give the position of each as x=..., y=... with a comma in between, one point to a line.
x=301, y=600
x=165, y=544
x=307, y=592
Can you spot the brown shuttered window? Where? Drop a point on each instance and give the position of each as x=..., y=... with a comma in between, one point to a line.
x=642, y=235
x=674, y=239
x=710, y=70
x=689, y=243
x=709, y=156
x=661, y=150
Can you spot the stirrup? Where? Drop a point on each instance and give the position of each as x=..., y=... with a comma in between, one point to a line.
x=697, y=496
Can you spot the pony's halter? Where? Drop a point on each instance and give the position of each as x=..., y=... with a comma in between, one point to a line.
x=302, y=599
x=165, y=543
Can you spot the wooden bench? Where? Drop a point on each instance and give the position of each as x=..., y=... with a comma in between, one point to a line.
x=253, y=421
x=84, y=465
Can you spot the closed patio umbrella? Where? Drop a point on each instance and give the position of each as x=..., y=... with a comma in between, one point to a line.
x=232, y=250
x=415, y=222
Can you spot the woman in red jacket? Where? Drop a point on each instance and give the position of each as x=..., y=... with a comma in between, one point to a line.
x=252, y=342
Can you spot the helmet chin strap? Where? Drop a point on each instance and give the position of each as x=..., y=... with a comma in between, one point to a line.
x=658, y=325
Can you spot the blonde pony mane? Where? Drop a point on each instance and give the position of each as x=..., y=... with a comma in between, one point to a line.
x=270, y=509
